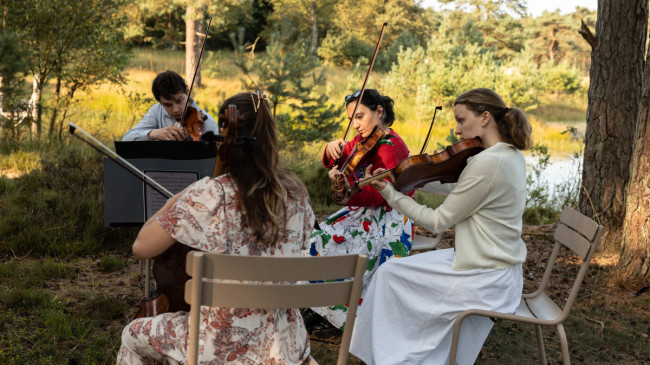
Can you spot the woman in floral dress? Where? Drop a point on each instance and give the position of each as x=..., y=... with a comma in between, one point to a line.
x=367, y=224
x=255, y=208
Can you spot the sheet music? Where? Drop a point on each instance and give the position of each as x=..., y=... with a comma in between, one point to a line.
x=174, y=181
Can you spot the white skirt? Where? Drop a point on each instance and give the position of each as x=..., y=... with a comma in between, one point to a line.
x=410, y=307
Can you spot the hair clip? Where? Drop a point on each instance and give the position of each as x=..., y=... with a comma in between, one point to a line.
x=260, y=96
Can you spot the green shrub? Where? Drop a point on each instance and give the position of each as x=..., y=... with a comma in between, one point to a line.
x=561, y=78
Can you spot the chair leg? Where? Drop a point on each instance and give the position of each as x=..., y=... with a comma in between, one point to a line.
x=454, y=339
x=540, y=344
x=563, y=344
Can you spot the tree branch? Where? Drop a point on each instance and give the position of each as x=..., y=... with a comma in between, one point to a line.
x=586, y=33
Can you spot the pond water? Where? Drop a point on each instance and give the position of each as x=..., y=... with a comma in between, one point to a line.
x=560, y=176
x=564, y=172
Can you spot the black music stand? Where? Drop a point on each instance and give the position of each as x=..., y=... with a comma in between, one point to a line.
x=128, y=201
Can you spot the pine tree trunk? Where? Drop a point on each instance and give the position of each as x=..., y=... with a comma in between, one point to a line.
x=193, y=17
x=635, y=250
x=616, y=80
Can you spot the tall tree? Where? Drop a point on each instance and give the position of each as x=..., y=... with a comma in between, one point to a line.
x=635, y=240
x=614, y=94
x=194, y=38
x=197, y=13
x=310, y=18
x=155, y=23
x=554, y=37
x=364, y=18
x=550, y=32
x=314, y=29
x=13, y=68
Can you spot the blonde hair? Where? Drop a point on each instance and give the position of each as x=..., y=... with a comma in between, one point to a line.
x=263, y=186
x=512, y=123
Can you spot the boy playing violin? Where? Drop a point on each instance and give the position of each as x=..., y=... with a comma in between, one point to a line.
x=161, y=121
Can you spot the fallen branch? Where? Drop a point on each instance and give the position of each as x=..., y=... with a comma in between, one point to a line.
x=601, y=323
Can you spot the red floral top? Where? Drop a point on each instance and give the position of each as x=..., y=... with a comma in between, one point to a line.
x=387, y=154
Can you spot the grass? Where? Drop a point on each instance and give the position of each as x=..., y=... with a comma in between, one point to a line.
x=72, y=311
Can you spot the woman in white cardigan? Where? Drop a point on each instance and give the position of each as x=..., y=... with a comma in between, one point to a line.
x=424, y=293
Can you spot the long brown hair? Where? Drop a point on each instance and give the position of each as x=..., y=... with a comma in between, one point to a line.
x=512, y=123
x=263, y=186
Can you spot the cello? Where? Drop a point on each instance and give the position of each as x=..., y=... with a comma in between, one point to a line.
x=169, y=267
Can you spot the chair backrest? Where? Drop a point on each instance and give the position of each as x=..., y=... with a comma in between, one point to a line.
x=581, y=235
x=273, y=282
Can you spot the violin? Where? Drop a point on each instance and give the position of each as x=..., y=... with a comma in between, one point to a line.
x=361, y=150
x=357, y=155
x=192, y=123
x=416, y=171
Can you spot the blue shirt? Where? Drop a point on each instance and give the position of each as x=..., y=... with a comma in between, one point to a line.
x=157, y=117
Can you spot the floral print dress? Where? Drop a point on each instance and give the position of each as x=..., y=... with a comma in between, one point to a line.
x=208, y=217
x=367, y=225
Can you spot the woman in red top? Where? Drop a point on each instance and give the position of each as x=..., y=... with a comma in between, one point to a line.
x=367, y=224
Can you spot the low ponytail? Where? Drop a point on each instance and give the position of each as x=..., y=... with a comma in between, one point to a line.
x=512, y=123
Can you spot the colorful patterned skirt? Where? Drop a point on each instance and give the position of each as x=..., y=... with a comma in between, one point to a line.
x=380, y=232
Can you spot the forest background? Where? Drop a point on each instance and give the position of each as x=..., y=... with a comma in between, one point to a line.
x=91, y=62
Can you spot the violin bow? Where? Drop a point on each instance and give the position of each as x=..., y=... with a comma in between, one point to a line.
x=196, y=69
x=363, y=87
x=426, y=141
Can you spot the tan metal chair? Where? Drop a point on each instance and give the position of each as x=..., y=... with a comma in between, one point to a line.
x=576, y=232
x=273, y=282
